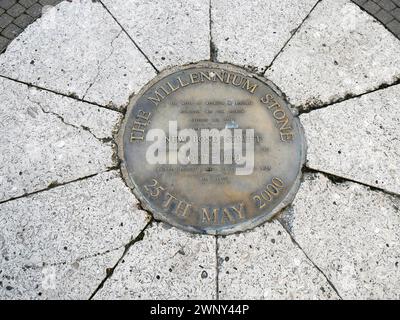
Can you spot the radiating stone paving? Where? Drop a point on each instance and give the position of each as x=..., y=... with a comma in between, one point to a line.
x=336, y=57
x=59, y=243
x=362, y=143
x=252, y=34
x=71, y=229
x=80, y=60
x=265, y=263
x=169, y=33
x=166, y=264
x=47, y=139
x=16, y=15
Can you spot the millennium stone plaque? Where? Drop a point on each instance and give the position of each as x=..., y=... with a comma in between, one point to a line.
x=211, y=148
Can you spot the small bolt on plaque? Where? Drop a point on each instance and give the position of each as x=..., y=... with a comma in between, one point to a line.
x=211, y=148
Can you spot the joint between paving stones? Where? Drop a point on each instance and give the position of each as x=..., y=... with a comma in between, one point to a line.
x=213, y=48
x=293, y=32
x=303, y=109
x=309, y=259
x=336, y=179
x=134, y=42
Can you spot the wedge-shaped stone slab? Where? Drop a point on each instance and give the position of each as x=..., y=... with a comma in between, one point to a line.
x=58, y=243
x=358, y=139
x=251, y=33
x=169, y=32
x=339, y=50
x=46, y=139
x=166, y=264
x=351, y=233
x=265, y=264
x=89, y=57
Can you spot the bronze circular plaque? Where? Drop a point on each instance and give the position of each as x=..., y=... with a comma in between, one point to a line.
x=211, y=148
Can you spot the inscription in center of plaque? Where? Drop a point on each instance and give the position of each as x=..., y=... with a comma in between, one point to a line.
x=211, y=148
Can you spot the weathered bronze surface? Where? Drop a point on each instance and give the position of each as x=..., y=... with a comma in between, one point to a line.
x=210, y=197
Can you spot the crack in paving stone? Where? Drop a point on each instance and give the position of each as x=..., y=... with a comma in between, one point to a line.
x=81, y=127
x=302, y=109
x=100, y=63
x=71, y=95
x=82, y=258
x=63, y=263
x=56, y=184
x=335, y=179
x=308, y=258
x=110, y=271
x=292, y=33
x=134, y=42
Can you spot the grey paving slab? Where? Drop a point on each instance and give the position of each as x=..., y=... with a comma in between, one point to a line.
x=16, y=10
x=3, y=42
x=351, y=233
x=386, y=4
x=252, y=33
x=58, y=244
x=339, y=51
x=394, y=26
x=23, y=20
x=167, y=264
x=5, y=20
x=35, y=10
x=371, y=7
x=169, y=32
x=27, y=3
x=11, y=31
x=101, y=64
x=362, y=143
x=49, y=2
x=384, y=17
x=6, y=4
x=46, y=139
x=265, y=264
x=396, y=13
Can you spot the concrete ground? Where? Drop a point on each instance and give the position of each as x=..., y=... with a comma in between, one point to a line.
x=71, y=229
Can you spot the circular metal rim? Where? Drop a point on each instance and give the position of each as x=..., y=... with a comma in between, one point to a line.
x=243, y=226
